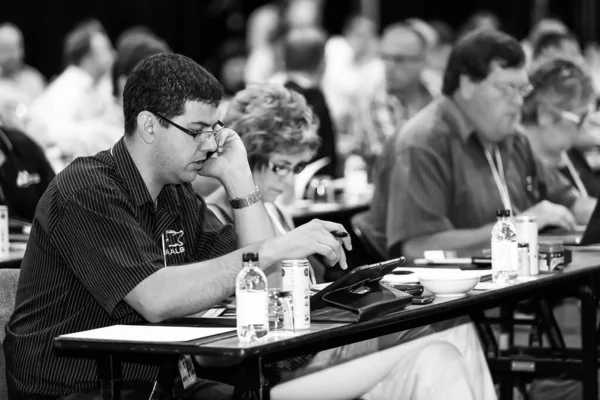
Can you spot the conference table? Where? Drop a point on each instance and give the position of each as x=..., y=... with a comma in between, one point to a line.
x=248, y=361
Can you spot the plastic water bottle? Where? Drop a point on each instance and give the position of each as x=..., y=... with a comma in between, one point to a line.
x=252, y=300
x=356, y=179
x=505, y=251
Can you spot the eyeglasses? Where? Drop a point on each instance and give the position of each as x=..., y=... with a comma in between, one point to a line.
x=570, y=116
x=282, y=170
x=510, y=90
x=204, y=134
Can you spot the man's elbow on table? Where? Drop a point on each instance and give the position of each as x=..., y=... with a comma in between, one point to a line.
x=147, y=302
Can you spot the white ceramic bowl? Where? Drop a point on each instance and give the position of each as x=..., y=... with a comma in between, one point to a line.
x=448, y=284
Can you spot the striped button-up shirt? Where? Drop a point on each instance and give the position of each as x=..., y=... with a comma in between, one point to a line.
x=96, y=235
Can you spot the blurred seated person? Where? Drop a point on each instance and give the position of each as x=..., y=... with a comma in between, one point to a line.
x=25, y=173
x=20, y=83
x=279, y=133
x=134, y=48
x=277, y=128
x=439, y=51
x=304, y=63
x=352, y=70
x=553, y=115
x=443, y=177
x=72, y=116
x=541, y=28
x=557, y=44
x=403, y=93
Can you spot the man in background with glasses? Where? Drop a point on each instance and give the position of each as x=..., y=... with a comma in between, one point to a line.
x=444, y=176
x=121, y=237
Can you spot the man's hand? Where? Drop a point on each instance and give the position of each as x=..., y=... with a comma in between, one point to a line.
x=230, y=156
x=550, y=214
x=314, y=237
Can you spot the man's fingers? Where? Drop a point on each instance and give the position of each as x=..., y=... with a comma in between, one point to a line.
x=327, y=252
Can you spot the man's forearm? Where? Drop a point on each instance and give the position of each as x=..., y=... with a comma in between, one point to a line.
x=252, y=223
x=184, y=290
x=582, y=209
x=456, y=239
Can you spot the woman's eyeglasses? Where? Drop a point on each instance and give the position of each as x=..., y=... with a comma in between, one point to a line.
x=204, y=134
x=283, y=170
x=570, y=116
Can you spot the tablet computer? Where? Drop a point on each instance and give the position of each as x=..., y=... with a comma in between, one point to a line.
x=366, y=273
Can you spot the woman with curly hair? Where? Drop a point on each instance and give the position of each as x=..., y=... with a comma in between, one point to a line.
x=279, y=131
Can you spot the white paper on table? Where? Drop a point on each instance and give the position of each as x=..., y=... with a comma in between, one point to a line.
x=145, y=333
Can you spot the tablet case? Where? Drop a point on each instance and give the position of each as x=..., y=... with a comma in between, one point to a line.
x=359, y=295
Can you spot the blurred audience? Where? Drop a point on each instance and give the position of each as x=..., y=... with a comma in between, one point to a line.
x=482, y=19
x=438, y=53
x=133, y=48
x=557, y=44
x=304, y=63
x=25, y=173
x=554, y=114
x=402, y=94
x=351, y=70
x=20, y=84
x=264, y=30
x=443, y=177
x=540, y=28
x=70, y=117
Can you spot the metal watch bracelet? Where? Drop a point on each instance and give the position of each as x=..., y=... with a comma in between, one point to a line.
x=245, y=201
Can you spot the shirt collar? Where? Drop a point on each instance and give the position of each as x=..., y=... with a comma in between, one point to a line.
x=461, y=123
x=130, y=174
x=136, y=185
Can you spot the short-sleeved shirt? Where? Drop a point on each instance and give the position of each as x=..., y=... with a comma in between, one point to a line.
x=96, y=235
x=25, y=173
x=434, y=176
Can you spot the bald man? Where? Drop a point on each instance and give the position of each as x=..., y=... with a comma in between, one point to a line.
x=403, y=93
x=17, y=79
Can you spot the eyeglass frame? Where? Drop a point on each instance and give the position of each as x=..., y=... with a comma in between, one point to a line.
x=276, y=169
x=196, y=132
x=510, y=90
x=570, y=116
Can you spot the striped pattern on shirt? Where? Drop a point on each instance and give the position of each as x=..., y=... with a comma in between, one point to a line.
x=96, y=235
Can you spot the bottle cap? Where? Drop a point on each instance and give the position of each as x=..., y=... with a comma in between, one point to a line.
x=502, y=213
x=250, y=257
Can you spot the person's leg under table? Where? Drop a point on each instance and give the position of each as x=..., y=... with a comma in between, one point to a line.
x=440, y=361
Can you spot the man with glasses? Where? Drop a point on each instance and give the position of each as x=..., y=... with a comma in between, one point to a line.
x=121, y=237
x=554, y=114
x=458, y=161
x=403, y=93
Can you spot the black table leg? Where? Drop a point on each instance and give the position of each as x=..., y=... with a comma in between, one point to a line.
x=589, y=341
x=251, y=384
x=109, y=376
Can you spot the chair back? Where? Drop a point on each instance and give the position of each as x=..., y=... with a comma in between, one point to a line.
x=362, y=229
x=9, y=279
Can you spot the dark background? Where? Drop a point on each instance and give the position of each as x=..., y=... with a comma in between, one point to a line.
x=197, y=28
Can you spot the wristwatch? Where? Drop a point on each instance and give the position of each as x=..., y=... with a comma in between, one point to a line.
x=245, y=201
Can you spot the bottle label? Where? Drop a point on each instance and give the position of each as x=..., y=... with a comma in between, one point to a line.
x=505, y=256
x=252, y=308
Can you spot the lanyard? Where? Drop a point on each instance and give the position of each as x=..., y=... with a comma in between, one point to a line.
x=575, y=175
x=499, y=177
